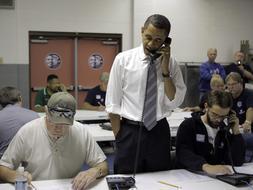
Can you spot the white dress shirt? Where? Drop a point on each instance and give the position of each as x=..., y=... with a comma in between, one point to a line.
x=127, y=83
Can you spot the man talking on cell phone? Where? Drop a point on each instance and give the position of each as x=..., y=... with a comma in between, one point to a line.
x=145, y=84
x=211, y=141
x=43, y=95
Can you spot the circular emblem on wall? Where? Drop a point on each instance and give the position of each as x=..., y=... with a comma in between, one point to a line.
x=53, y=60
x=95, y=61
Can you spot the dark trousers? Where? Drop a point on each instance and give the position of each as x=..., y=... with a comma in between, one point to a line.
x=154, y=148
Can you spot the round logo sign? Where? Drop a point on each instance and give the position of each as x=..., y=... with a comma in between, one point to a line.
x=53, y=61
x=95, y=61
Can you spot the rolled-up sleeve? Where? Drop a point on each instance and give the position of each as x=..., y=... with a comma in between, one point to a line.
x=114, y=88
x=178, y=81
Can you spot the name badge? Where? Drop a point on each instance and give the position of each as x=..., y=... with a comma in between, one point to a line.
x=200, y=138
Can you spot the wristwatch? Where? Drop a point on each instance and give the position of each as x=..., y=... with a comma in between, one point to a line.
x=166, y=75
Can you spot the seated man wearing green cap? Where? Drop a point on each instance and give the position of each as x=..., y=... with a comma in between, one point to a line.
x=55, y=147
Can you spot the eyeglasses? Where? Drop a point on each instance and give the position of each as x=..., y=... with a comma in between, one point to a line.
x=232, y=84
x=62, y=112
x=217, y=116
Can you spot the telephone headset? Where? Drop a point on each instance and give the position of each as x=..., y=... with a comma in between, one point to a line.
x=155, y=53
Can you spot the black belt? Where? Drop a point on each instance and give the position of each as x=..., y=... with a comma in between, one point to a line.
x=131, y=122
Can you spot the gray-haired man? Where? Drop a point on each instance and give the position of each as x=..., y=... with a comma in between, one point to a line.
x=55, y=147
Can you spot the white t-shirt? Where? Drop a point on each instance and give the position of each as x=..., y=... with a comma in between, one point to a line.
x=211, y=132
x=52, y=160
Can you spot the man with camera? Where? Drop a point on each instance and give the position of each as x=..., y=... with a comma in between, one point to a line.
x=240, y=67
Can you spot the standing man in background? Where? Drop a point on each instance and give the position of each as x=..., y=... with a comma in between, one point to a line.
x=95, y=99
x=12, y=116
x=149, y=67
x=42, y=97
x=208, y=69
x=240, y=67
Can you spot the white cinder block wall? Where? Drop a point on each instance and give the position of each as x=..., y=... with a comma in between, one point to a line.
x=200, y=24
x=196, y=24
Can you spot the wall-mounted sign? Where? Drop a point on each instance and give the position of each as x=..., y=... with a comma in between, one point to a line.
x=95, y=61
x=53, y=61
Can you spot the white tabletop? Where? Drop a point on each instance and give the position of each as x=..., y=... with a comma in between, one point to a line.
x=175, y=119
x=98, y=133
x=150, y=181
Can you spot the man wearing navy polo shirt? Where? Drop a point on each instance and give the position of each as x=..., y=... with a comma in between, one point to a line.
x=243, y=106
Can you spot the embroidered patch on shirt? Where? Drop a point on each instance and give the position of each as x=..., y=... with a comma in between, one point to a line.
x=98, y=96
x=200, y=138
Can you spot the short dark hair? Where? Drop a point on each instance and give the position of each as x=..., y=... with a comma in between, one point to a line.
x=51, y=77
x=220, y=98
x=9, y=95
x=159, y=21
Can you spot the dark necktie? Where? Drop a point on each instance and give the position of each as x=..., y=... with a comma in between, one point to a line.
x=149, y=110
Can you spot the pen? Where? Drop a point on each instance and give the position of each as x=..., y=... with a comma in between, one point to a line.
x=165, y=183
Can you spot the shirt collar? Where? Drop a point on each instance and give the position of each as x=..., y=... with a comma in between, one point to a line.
x=142, y=55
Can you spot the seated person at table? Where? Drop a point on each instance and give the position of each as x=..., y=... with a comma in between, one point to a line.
x=216, y=84
x=202, y=142
x=43, y=95
x=55, y=147
x=95, y=99
x=243, y=106
x=13, y=116
x=240, y=67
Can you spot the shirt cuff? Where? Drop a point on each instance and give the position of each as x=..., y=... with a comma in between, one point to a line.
x=113, y=109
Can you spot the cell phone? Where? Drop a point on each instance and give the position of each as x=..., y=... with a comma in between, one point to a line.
x=230, y=114
x=166, y=42
x=59, y=89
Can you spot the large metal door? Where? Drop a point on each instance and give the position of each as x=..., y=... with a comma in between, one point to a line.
x=77, y=60
x=51, y=56
x=94, y=57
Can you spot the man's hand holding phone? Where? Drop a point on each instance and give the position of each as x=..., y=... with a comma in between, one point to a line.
x=165, y=51
x=62, y=88
x=233, y=122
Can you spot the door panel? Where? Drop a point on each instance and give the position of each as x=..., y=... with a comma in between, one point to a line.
x=94, y=57
x=54, y=56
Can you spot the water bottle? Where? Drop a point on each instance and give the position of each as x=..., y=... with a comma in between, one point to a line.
x=21, y=180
